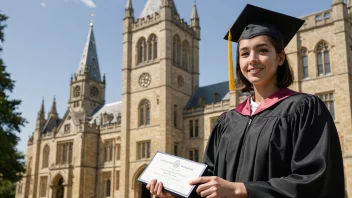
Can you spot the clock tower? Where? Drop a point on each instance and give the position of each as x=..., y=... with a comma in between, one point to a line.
x=87, y=88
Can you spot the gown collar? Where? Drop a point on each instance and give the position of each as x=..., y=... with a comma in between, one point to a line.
x=245, y=109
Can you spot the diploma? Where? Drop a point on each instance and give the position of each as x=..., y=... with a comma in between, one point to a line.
x=174, y=172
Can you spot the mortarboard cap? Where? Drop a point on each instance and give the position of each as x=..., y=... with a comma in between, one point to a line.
x=255, y=21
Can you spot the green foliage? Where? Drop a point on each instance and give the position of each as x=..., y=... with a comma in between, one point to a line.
x=7, y=189
x=11, y=161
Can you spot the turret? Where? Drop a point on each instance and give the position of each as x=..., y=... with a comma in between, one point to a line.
x=40, y=118
x=129, y=10
x=195, y=20
x=53, y=111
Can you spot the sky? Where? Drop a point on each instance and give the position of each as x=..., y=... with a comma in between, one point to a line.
x=44, y=41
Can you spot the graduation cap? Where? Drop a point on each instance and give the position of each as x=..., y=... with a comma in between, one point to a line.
x=255, y=21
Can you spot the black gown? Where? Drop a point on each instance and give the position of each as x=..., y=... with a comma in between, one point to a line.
x=288, y=148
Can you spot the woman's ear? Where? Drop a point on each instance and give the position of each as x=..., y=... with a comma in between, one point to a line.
x=282, y=57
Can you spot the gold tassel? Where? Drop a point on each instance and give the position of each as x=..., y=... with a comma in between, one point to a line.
x=230, y=63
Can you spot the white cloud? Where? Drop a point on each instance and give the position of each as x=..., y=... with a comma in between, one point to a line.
x=43, y=4
x=89, y=3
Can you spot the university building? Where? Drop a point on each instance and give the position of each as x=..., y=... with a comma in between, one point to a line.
x=98, y=150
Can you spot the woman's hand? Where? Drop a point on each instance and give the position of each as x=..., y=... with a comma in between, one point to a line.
x=212, y=187
x=156, y=188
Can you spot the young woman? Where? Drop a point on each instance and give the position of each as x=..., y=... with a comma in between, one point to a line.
x=278, y=143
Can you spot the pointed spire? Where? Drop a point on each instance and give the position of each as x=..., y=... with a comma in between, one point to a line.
x=53, y=111
x=41, y=113
x=194, y=11
x=89, y=61
x=129, y=4
x=153, y=6
x=129, y=9
x=195, y=17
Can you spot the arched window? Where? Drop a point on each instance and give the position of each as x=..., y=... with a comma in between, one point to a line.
x=323, y=58
x=144, y=113
x=177, y=50
x=185, y=55
x=304, y=55
x=46, y=152
x=141, y=50
x=152, y=47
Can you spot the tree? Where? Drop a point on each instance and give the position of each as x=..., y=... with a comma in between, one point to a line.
x=7, y=189
x=11, y=160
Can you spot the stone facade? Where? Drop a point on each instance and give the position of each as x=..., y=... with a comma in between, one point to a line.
x=96, y=152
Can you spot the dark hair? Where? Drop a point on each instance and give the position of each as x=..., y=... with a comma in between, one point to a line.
x=284, y=75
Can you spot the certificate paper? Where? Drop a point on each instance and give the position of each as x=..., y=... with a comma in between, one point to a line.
x=174, y=172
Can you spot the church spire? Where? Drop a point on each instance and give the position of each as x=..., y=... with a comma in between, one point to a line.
x=129, y=4
x=89, y=61
x=195, y=17
x=129, y=9
x=153, y=6
x=53, y=111
x=41, y=113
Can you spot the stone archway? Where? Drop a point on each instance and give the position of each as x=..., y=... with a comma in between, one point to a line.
x=58, y=187
x=140, y=190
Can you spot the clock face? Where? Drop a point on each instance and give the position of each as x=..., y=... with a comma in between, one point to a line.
x=76, y=91
x=94, y=91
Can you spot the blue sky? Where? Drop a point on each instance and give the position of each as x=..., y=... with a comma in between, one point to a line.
x=44, y=41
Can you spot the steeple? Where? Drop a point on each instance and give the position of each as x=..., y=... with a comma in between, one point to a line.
x=53, y=111
x=195, y=17
x=153, y=6
x=89, y=62
x=129, y=9
x=129, y=4
x=41, y=113
x=40, y=118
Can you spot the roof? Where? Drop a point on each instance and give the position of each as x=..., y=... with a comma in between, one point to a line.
x=89, y=60
x=51, y=123
x=153, y=6
x=112, y=110
x=209, y=94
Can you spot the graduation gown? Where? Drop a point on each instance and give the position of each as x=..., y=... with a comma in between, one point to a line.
x=288, y=148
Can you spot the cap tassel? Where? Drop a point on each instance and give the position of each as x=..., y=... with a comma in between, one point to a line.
x=230, y=63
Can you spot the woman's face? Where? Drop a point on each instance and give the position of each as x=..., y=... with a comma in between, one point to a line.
x=259, y=60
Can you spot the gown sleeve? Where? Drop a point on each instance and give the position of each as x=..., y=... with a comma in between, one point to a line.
x=211, y=150
x=213, y=145
x=316, y=165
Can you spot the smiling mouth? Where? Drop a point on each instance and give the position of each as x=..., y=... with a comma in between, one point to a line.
x=254, y=70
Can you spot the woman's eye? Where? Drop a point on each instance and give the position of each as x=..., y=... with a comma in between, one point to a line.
x=263, y=50
x=244, y=54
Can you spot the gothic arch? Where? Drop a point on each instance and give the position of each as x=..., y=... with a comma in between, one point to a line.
x=139, y=189
x=58, y=185
x=56, y=179
x=136, y=175
x=303, y=54
x=185, y=55
x=176, y=50
x=152, y=46
x=141, y=50
x=323, y=62
x=144, y=108
x=322, y=41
